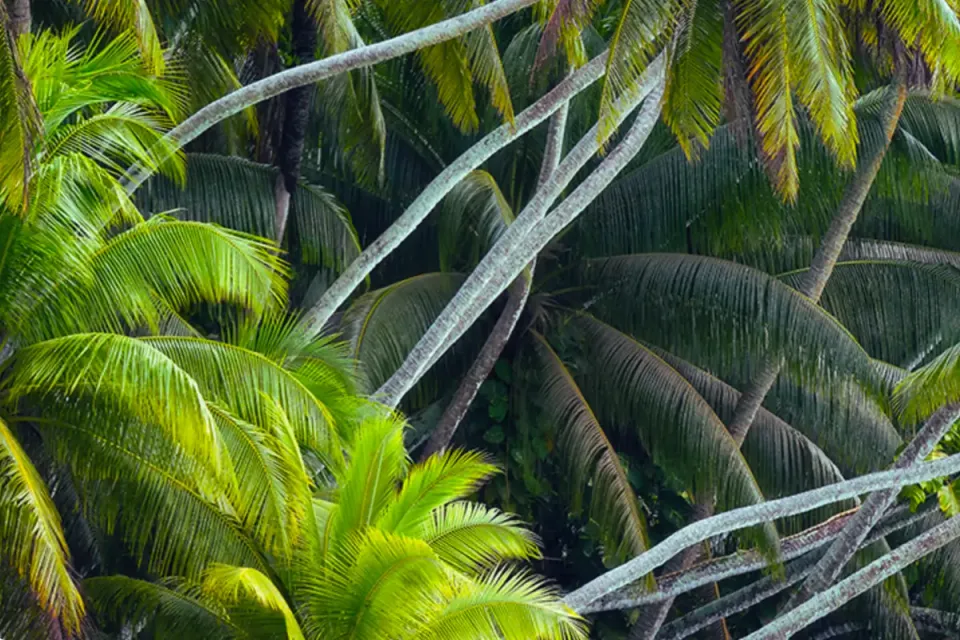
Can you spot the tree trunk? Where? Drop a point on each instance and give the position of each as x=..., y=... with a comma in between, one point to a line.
x=942, y=622
x=313, y=72
x=873, y=508
x=20, y=18
x=296, y=114
x=877, y=571
x=517, y=246
x=518, y=293
x=697, y=532
x=440, y=186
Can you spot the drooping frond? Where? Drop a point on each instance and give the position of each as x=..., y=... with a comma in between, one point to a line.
x=236, y=584
x=472, y=538
x=33, y=540
x=18, y=123
x=121, y=372
x=134, y=16
x=472, y=217
x=591, y=459
x=442, y=478
x=505, y=603
x=713, y=312
x=929, y=387
x=177, y=609
x=564, y=21
x=248, y=383
x=678, y=428
x=899, y=311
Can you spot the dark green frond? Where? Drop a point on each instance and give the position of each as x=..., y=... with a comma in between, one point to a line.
x=472, y=217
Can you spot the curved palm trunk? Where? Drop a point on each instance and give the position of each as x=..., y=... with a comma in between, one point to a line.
x=871, y=575
x=305, y=74
x=296, y=115
x=354, y=275
x=518, y=293
x=612, y=581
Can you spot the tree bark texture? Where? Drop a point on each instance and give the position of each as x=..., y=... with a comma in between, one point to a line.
x=516, y=301
x=354, y=275
x=517, y=246
x=877, y=571
x=20, y=18
x=695, y=533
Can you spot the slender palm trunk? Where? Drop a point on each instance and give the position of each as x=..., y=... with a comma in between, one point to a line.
x=296, y=115
x=524, y=239
x=874, y=573
x=942, y=622
x=313, y=72
x=20, y=18
x=517, y=298
x=612, y=581
x=440, y=186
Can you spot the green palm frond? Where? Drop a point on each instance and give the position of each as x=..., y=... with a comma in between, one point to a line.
x=623, y=380
x=898, y=311
x=118, y=371
x=474, y=538
x=591, y=460
x=32, y=534
x=177, y=609
x=442, y=478
x=930, y=387
x=18, y=123
x=472, y=217
x=235, y=584
x=248, y=384
x=713, y=312
x=563, y=20
x=508, y=604
x=133, y=16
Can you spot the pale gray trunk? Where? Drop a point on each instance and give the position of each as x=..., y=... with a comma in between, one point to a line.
x=874, y=573
x=873, y=508
x=524, y=239
x=744, y=517
x=299, y=76
x=516, y=301
x=440, y=186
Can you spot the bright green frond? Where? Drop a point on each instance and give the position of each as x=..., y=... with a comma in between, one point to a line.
x=235, y=584
x=429, y=485
x=472, y=217
x=929, y=387
x=176, y=609
x=591, y=459
x=31, y=535
x=471, y=537
x=507, y=604
x=18, y=124
x=134, y=16
x=121, y=372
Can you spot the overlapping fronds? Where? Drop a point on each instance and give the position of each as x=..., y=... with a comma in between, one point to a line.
x=444, y=477
x=18, y=123
x=236, y=584
x=474, y=538
x=624, y=380
x=898, y=311
x=472, y=217
x=591, y=459
x=33, y=539
x=563, y=22
x=175, y=608
x=248, y=383
x=133, y=16
x=128, y=374
x=930, y=387
x=713, y=312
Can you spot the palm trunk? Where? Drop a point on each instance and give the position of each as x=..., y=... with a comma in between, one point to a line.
x=873, y=508
x=516, y=300
x=431, y=196
x=20, y=18
x=519, y=244
x=296, y=115
x=612, y=581
x=942, y=622
x=877, y=571
x=311, y=73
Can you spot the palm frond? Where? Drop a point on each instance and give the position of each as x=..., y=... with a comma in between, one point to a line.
x=235, y=584
x=472, y=217
x=591, y=459
x=33, y=539
x=177, y=609
x=18, y=124
x=134, y=16
x=474, y=538
x=564, y=19
x=440, y=479
x=930, y=387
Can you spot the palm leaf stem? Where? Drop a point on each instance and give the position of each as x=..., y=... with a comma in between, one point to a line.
x=516, y=301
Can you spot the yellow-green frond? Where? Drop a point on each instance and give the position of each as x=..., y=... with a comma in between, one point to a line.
x=236, y=584
x=132, y=15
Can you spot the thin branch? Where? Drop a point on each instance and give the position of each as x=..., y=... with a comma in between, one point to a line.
x=877, y=571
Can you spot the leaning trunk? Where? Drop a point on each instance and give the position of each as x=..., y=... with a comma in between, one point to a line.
x=20, y=17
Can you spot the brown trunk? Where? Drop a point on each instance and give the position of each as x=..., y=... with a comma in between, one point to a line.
x=20, y=19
